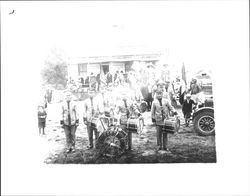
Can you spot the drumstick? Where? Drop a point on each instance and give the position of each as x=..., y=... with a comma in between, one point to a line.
x=102, y=124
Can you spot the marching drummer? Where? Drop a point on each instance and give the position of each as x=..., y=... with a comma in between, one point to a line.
x=69, y=121
x=92, y=110
x=138, y=95
x=160, y=111
x=160, y=86
x=123, y=110
x=108, y=105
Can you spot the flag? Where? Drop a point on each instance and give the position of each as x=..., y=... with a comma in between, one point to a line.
x=183, y=74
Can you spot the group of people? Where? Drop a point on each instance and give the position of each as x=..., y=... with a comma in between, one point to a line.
x=97, y=105
x=122, y=103
x=96, y=82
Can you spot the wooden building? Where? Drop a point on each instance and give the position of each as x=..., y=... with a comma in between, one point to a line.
x=84, y=66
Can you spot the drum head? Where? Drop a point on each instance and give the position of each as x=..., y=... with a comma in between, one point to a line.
x=140, y=126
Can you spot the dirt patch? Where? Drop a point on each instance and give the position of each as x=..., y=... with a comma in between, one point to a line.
x=184, y=147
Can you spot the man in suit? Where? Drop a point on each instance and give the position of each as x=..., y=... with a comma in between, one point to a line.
x=70, y=121
x=93, y=108
x=160, y=111
x=124, y=110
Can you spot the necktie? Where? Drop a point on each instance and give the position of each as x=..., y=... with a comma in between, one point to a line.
x=92, y=106
x=162, y=115
x=69, y=113
x=103, y=100
x=126, y=106
x=125, y=103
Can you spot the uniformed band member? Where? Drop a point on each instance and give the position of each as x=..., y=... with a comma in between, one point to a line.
x=154, y=88
x=70, y=121
x=92, y=110
x=161, y=86
x=160, y=110
x=123, y=111
x=108, y=103
x=137, y=97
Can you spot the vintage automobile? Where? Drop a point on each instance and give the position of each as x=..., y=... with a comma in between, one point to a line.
x=203, y=115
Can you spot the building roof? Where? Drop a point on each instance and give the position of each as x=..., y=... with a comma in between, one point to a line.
x=114, y=50
x=115, y=58
x=120, y=53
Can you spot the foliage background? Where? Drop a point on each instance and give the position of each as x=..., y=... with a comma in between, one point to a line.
x=54, y=72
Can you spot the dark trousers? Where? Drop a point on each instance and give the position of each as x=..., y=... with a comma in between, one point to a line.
x=41, y=126
x=70, y=133
x=92, y=130
x=162, y=137
x=129, y=140
x=41, y=130
x=98, y=86
x=129, y=136
x=149, y=101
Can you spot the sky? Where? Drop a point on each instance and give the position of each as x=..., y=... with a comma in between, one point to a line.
x=187, y=31
x=197, y=34
x=194, y=33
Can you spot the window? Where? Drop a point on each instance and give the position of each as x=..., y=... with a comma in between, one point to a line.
x=82, y=69
x=128, y=66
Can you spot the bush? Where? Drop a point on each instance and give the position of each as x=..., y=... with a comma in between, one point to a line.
x=54, y=72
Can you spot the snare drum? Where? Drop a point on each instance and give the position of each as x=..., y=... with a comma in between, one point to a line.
x=171, y=125
x=108, y=112
x=135, y=125
x=94, y=123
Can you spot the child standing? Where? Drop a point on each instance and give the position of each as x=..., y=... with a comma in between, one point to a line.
x=41, y=119
x=187, y=108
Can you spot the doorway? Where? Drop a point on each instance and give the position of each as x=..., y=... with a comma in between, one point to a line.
x=105, y=69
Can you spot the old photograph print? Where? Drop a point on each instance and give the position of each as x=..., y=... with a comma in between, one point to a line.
x=124, y=85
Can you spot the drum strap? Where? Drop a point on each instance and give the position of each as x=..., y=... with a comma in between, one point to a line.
x=103, y=100
x=160, y=101
x=69, y=113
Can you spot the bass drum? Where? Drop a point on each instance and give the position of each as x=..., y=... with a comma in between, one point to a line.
x=112, y=142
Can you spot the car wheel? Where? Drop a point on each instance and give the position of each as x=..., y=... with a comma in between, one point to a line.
x=204, y=123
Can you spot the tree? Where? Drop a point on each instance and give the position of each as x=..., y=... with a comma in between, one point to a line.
x=54, y=72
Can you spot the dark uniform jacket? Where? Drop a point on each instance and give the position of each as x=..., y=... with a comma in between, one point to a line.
x=187, y=106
